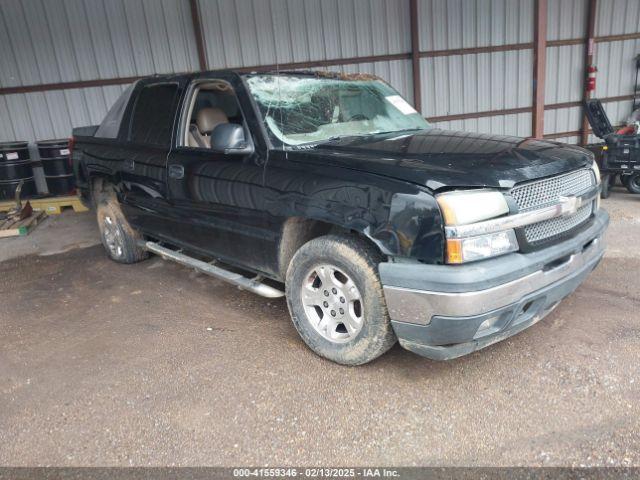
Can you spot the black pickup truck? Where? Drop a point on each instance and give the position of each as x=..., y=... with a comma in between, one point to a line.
x=332, y=190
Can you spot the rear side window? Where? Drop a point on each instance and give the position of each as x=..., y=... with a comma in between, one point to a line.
x=153, y=114
x=110, y=126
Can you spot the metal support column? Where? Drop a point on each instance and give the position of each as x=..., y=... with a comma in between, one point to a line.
x=588, y=61
x=197, y=31
x=415, y=56
x=539, y=67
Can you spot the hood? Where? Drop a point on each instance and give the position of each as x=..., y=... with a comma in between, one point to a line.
x=598, y=118
x=443, y=159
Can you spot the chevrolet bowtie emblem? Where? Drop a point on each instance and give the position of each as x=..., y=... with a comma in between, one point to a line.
x=569, y=205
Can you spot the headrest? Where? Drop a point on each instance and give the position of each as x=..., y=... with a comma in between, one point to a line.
x=209, y=118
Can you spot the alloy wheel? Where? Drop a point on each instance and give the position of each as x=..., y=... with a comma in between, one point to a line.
x=333, y=303
x=113, y=237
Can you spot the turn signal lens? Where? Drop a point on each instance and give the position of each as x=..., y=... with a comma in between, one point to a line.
x=462, y=250
x=454, y=251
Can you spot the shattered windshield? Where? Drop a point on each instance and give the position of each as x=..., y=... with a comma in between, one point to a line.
x=312, y=109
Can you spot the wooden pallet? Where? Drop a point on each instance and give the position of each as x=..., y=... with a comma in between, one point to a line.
x=20, y=228
x=50, y=205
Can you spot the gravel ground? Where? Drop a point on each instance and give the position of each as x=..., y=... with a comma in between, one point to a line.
x=151, y=364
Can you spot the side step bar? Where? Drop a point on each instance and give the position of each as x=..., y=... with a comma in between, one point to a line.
x=243, y=283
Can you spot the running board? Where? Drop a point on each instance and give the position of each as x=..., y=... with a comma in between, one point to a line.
x=242, y=282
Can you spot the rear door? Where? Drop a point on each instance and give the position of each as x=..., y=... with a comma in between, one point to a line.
x=148, y=139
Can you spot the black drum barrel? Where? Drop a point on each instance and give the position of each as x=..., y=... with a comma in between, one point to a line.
x=54, y=156
x=15, y=167
x=61, y=185
x=53, y=148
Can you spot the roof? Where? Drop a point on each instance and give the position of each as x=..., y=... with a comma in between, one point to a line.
x=242, y=72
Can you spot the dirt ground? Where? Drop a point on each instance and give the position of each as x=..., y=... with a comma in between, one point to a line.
x=151, y=364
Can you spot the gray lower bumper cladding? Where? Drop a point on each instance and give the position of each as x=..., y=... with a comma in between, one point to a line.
x=477, y=305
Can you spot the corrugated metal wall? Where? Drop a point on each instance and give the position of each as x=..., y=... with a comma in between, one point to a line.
x=616, y=60
x=478, y=82
x=566, y=20
x=44, y=115
x=48, y=41
x=241, y=33
x=245, y=33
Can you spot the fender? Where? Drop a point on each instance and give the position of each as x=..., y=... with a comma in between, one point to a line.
x=401, y=219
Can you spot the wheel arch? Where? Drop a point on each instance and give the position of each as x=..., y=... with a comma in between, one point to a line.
x=297, y=231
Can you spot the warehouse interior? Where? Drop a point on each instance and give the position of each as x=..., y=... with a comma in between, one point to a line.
x=170, y=381
x=469, y=65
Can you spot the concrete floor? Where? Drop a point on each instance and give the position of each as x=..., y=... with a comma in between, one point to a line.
x=56, y=234
x=151, y=364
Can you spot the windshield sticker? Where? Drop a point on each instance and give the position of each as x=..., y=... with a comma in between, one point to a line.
x=401, y=104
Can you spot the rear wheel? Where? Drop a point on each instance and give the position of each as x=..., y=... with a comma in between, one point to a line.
x=336, y=301
x=119, y=239
x=633, y=183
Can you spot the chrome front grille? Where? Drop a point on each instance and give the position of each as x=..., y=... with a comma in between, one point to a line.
x=548, y=229
x=542, y=193
x=530, y=196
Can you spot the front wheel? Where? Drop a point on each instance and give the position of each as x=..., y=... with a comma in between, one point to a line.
x=633, y=183
x=336, y=300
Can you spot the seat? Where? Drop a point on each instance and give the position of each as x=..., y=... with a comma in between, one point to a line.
x=206, y=120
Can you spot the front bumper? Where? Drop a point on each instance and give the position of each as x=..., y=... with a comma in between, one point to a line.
x=446, y=311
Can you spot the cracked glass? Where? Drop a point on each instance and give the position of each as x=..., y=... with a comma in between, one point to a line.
x=308, y=109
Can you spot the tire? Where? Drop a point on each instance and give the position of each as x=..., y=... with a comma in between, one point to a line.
x=118, y=237
x=633, y=183
x=95, y=192
x=347, y=266
x=624, y=179
x=606, y=186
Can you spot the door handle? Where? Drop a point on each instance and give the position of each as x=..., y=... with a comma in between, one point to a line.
x=176, y=171
x=129, y=165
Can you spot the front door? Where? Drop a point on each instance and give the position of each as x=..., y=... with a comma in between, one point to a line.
x=217, y=198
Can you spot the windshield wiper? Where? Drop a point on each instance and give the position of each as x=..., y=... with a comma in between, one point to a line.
x=397, y=131
x=335, y=138
x=358, y=135
x=342, y=137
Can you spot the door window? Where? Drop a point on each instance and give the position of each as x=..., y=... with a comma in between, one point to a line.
x=153, y=115
x=212, y=104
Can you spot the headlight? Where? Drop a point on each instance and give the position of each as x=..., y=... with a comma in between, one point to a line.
x=471, y=206
x=462, y=250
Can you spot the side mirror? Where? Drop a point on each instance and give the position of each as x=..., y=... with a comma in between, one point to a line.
x=229, y=138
